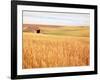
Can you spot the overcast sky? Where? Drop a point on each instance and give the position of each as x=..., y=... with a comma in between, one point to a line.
x=50, y=18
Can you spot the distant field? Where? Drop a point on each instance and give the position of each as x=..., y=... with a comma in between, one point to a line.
x=56, y=47
x=78, y=31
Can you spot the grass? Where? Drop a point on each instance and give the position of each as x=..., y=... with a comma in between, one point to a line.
x=64, y=46
x=67, y=31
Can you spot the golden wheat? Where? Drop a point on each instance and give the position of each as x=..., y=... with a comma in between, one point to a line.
x=53, y=51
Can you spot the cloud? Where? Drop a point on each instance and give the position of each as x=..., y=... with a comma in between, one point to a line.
x=50, y=18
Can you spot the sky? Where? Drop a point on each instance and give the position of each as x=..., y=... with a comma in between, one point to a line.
x=53, y=18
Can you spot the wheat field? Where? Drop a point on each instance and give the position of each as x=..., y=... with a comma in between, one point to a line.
x=41, y=50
